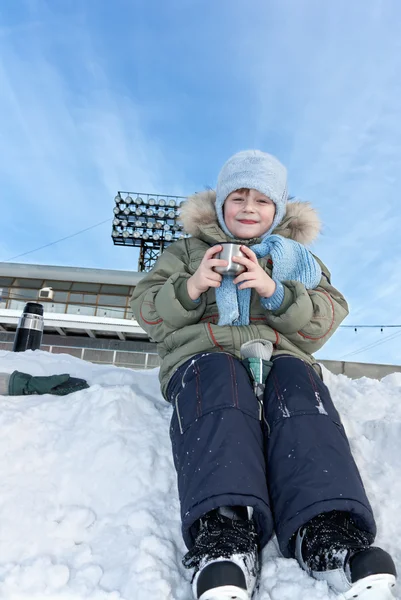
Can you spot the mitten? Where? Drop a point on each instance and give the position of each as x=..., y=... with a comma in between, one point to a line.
x=22, y=384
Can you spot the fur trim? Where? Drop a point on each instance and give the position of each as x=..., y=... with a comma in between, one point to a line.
x=300, y=223
x=198, y=210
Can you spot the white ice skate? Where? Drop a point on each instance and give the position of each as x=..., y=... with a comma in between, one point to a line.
x=355, y=572
x=225, y=556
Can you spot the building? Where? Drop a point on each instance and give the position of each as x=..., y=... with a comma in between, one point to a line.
x=88, y=314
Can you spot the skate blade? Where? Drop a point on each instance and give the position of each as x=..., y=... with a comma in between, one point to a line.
x=374, y=587
x=226, y=592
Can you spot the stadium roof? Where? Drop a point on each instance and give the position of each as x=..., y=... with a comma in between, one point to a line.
x=84, y=274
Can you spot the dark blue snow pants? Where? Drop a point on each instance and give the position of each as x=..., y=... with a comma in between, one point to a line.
x=290, y=466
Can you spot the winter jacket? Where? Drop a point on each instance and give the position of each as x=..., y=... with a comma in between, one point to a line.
x=182, y=328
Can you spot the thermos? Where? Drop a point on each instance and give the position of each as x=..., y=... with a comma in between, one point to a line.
x=30, y=328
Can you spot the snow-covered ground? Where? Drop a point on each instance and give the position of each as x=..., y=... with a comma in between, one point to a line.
x=88, y=500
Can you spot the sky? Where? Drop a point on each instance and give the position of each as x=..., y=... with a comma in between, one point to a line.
x=153, y=96
x=89, y=504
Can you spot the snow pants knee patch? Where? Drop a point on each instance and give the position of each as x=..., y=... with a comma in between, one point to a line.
x=310, y=466
x=217, y=440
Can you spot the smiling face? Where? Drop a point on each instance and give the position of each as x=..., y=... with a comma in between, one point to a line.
x=248, y=213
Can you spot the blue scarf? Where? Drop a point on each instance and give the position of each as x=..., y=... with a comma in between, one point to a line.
x=291, y=262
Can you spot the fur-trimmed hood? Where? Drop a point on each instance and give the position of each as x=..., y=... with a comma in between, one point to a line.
x=300, y=223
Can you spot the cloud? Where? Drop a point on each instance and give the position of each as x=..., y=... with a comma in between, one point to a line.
x=67, y=149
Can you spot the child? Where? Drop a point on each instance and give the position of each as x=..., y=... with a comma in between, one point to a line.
x=243, y=474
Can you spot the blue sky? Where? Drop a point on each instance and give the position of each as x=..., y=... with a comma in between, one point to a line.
x=155, y=95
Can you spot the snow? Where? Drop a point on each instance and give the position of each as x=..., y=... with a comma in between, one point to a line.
x=88, y=499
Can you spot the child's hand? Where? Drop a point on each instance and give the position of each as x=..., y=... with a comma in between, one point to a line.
x=254, y=277
x=204, y=277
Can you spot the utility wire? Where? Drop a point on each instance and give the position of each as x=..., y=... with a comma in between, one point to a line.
x=365, y=326
x=107, y=221
x=353, y=353
x=22, y=297
x=57, y=241
x=372, y=345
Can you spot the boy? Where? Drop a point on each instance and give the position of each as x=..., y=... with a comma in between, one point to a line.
x=242, y=472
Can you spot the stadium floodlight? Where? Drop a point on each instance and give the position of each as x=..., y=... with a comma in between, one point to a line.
x=148, y=222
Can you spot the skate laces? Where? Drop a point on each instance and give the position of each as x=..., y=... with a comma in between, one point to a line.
x=221, y=537
x=330, y=539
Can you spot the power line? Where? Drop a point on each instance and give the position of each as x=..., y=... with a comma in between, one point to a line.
x=353, y=353
x=365, y=326
x=22, y=297
x=107, y=220
x=372, y=345
x=59, y=240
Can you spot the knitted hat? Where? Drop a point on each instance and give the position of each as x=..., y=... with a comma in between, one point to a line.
x=256, y=170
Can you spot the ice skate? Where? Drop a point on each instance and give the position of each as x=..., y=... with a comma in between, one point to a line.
x=330, y=547
x=225, y=556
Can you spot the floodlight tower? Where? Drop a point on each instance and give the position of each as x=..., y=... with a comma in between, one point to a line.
x=148, y=222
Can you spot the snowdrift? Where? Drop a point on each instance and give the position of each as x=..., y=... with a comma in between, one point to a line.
x=88, y=502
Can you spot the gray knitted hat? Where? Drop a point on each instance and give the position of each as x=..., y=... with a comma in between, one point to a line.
x=256, y=170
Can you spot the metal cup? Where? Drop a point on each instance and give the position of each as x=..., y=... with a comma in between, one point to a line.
x=229, y=251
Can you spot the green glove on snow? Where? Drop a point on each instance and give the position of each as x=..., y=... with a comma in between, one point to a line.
x=22, y=384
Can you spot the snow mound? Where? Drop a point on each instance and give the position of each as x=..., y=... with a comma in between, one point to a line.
x=88, y=502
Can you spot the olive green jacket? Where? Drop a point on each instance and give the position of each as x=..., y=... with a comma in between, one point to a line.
x=182, y=328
